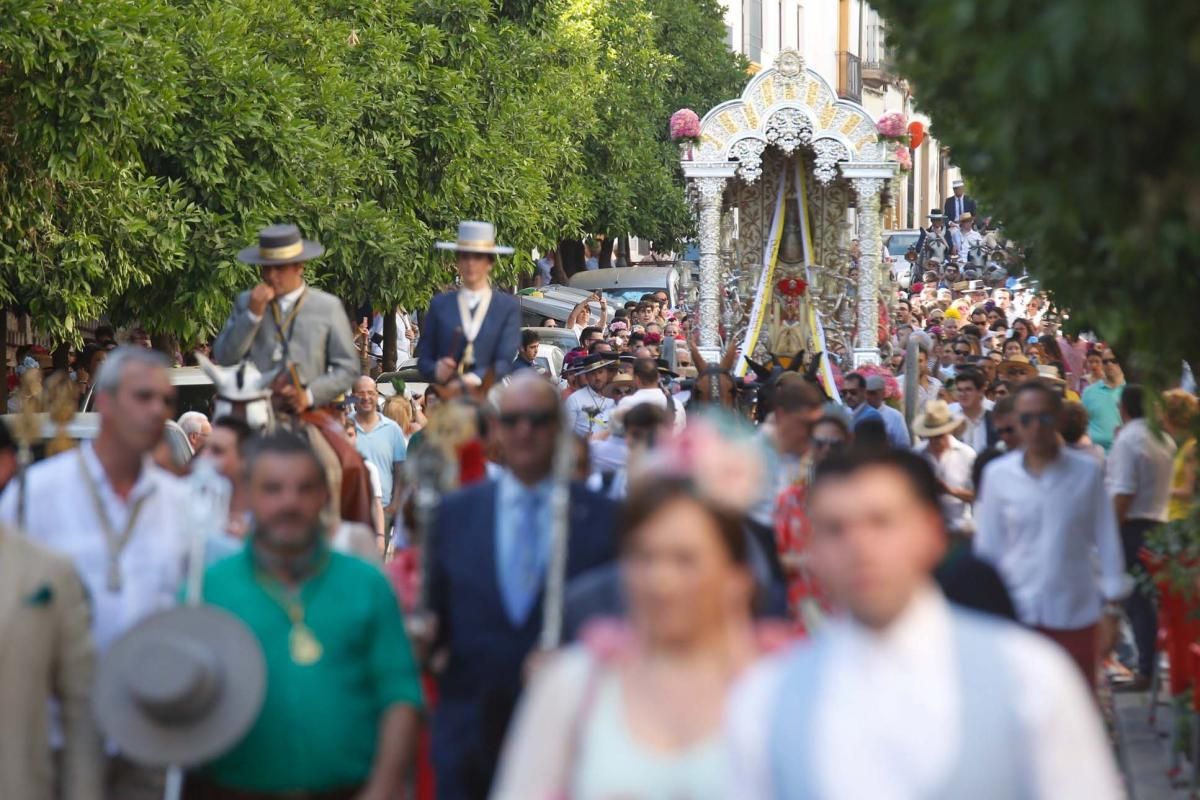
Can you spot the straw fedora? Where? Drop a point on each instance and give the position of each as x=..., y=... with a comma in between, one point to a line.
x=966, y=216
x=936, y=419
x=476, y=237
x=278, y=245
x=1017, y=364
x=182, y=687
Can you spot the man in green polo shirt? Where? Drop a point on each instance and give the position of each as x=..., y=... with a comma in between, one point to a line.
x=1103, y=402
x=343, y=692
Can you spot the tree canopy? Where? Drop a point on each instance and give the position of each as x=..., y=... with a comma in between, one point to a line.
x=145, y=141
x=1073, y=121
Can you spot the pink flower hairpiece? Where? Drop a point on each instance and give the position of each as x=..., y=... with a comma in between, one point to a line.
x=723, y=462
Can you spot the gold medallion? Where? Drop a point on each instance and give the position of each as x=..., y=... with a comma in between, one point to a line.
x=304, y=647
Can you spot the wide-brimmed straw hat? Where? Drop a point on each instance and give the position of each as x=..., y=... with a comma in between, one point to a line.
x=182, y=687
x=476, y=237
x=1019, y=364
x=596, y=361
x=936, y=419
x=280, y=244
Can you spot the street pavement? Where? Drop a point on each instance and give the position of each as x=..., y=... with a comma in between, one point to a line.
x=1145, y=751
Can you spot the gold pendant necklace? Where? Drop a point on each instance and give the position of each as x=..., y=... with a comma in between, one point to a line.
x=303, y=645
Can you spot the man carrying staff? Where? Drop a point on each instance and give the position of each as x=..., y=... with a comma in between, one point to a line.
x=474, y=330
x=284, y=324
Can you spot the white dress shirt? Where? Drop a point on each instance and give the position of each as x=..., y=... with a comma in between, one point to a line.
x=974, y=431
x=1053, y=537
x=1140, y=464
x=887, y=716
x=60, y=514
x=953, y=468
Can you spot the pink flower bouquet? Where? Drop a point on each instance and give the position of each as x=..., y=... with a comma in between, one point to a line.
x=903, y=158
x=893, y=126
x=685, y=126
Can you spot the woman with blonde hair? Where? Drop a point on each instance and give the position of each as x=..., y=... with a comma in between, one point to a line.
x=1179, y=420
x=399, y=409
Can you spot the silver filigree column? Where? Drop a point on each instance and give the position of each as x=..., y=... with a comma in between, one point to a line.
x=868, y=182
x=710, y=191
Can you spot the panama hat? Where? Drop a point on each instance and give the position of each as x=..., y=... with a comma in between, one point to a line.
x=936, y=420
x=182, y=687
x=1049, y=372
x=966, y=216
x=278, y=245
x=476, y=237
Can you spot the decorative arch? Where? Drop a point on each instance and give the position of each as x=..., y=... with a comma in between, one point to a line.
x=788, y=106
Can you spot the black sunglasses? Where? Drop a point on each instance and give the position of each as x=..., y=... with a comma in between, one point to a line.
x=962, y=352
x=536, y=419
x=1007, y=430
x=1046, y=419
x=834, y=443
x=1109, y=361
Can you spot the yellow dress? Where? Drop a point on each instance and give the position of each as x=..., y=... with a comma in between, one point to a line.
x=1178, y=508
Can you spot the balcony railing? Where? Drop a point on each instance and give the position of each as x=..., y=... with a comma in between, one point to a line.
x=850, y=79
x=880, y=72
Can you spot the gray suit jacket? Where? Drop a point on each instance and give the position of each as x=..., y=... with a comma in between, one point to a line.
x=321, y=346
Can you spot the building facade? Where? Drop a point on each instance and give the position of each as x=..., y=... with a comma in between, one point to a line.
x=846, y=42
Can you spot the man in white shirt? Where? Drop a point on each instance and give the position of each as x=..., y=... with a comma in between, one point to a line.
x=406, y=334
x=1139, y=480
x=588, y=408
x=903, y=695
x=977, y=431
x=119, y=518
x=951, y=460
x=1044, y=520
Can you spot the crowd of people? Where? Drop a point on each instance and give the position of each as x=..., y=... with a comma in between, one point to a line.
x=731, y=588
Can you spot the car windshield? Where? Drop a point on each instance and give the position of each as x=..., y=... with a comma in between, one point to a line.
x=618, y=297
x=898, y=243
x=563, y=338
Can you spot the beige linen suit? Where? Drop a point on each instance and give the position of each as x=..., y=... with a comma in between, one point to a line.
x=45, y=652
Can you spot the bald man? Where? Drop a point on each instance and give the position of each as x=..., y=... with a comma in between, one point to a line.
x=380, y=442
x=493, y=541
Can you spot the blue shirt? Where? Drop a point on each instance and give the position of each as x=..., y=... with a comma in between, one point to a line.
x=384, y=446
x=1103, y=404
x=512, y=503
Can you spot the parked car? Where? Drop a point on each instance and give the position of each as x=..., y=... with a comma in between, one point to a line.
x=193, y=391
x=622, y=285
x=896, y=243
x=563, y=338
x=553, y=302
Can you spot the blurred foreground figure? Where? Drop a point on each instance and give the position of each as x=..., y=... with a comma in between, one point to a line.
x=636, y=710
x=906, y=696
x=47, y=653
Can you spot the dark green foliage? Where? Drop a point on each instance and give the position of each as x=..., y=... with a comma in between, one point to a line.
x=142, y=142
x=1075, y=122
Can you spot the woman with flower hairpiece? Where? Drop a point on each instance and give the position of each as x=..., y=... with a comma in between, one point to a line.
x=636, y=710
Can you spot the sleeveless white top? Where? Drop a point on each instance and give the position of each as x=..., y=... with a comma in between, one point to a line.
x=611, y=764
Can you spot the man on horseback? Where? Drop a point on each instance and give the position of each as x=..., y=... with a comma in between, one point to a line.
x=933, y=243
x=284, y=325
x=474, y=330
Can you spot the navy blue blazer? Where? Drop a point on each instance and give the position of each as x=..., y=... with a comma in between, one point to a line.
x=479, y=686
x=496, y=346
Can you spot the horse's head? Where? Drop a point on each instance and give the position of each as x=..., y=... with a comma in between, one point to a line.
x=242, y=392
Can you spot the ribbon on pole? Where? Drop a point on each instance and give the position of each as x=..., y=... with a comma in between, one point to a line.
x=816, y=331
x=762, y=296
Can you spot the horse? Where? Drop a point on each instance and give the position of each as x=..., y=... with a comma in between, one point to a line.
x=244, y=392
x=770, y=373
x=936, y=246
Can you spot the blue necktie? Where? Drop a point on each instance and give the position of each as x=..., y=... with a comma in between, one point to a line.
x=523, y=571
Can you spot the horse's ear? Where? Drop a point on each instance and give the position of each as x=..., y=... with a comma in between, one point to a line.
x=797, y=362
x=761, y=371
x=727, y=360
x=697, y=360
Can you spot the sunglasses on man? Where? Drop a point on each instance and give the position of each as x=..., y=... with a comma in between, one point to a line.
x=1046, y=419
x=536, y=419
